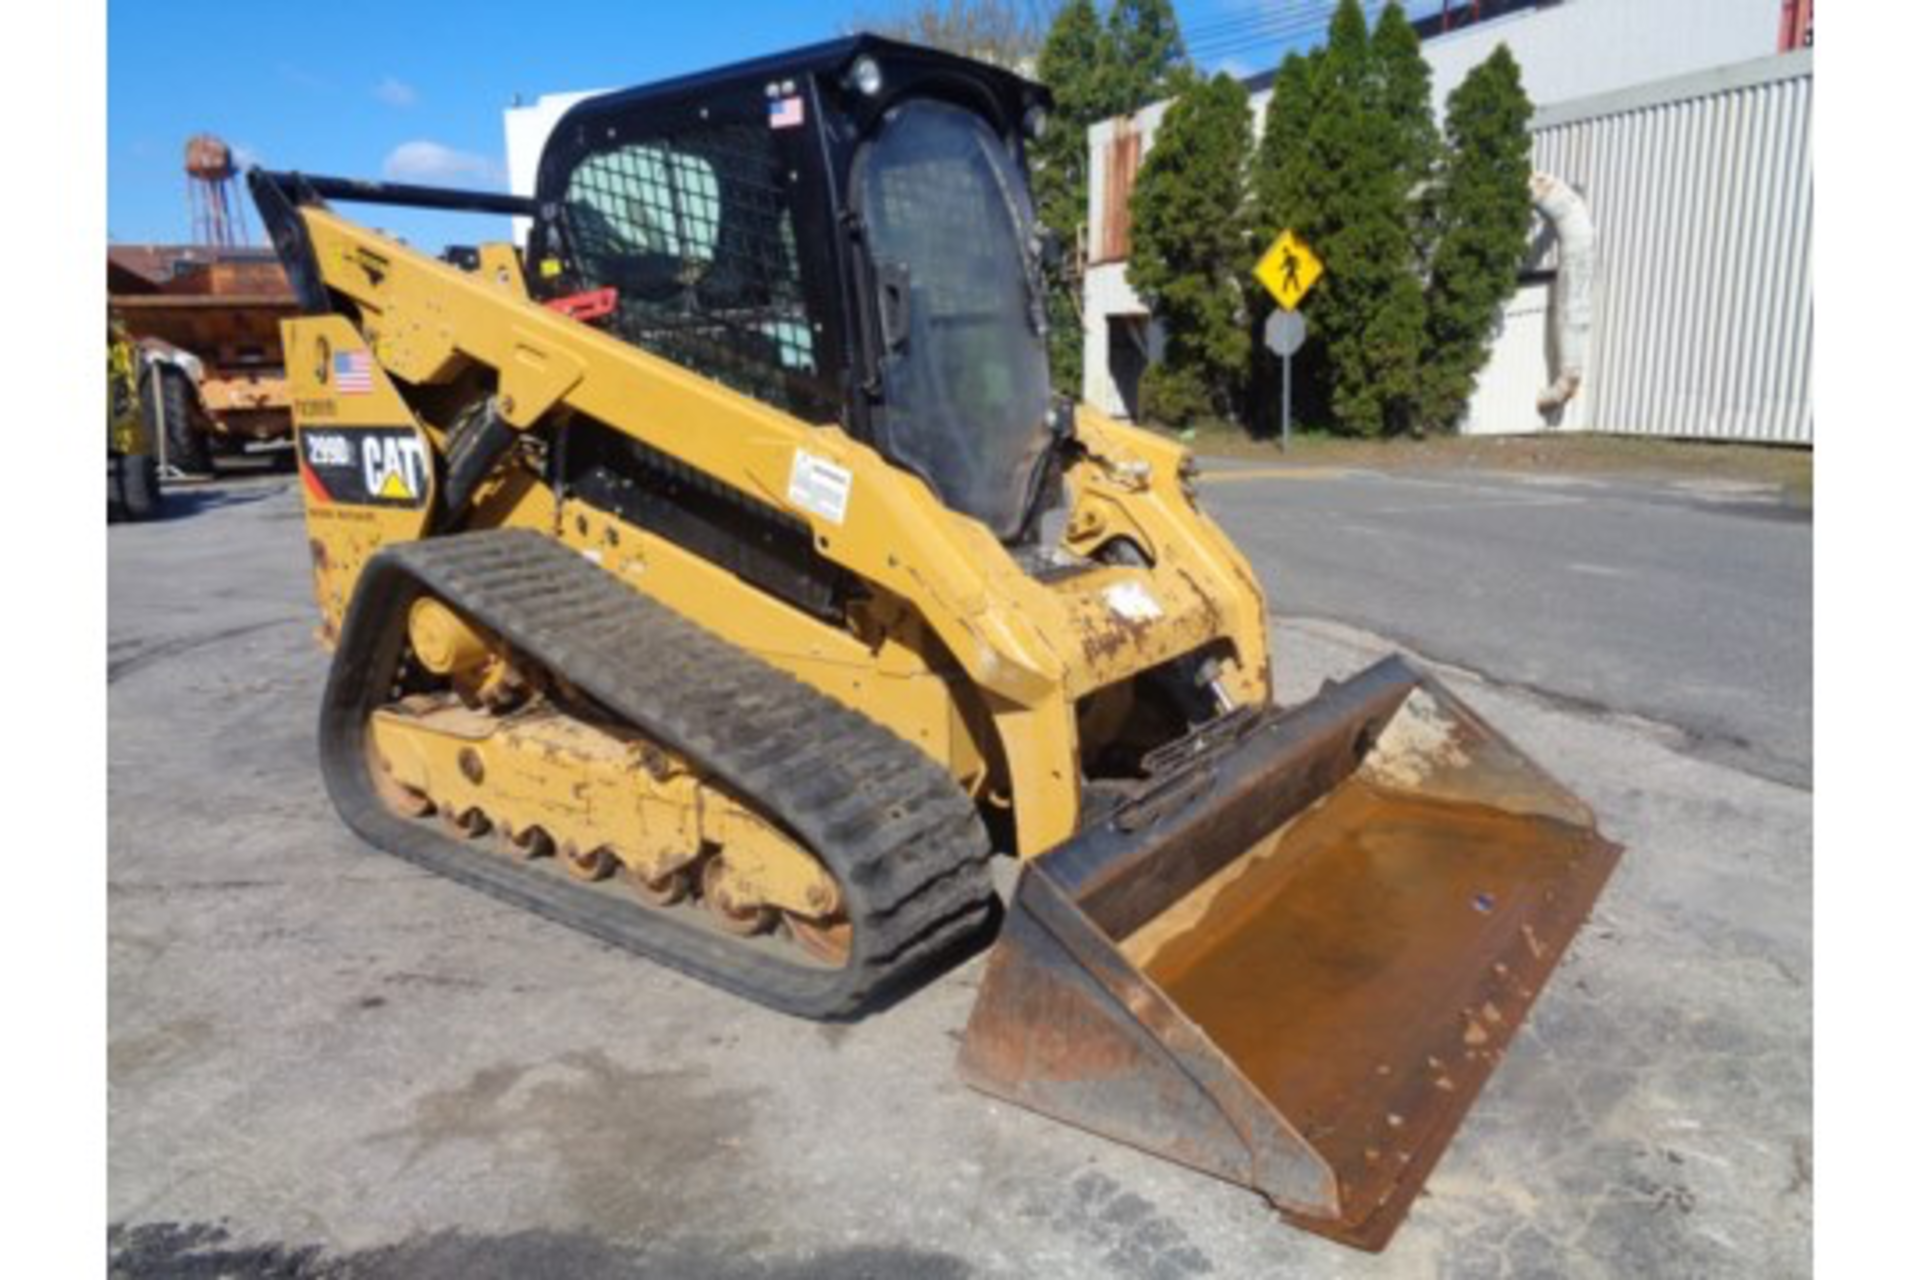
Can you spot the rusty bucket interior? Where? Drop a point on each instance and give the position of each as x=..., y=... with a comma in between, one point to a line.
x=1295, y=960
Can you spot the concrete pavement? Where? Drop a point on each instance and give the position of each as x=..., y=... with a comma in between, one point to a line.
x=1687, y=602
x=324, y=1062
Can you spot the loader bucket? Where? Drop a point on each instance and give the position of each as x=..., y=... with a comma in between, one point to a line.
x=1293, y=959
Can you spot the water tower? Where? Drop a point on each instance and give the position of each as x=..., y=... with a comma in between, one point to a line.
x=218, y=215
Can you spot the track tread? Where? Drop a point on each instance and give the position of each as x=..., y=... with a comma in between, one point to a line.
x=903, y=840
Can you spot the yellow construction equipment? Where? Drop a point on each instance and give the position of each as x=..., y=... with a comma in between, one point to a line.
x=133, y=472
x=718, y=575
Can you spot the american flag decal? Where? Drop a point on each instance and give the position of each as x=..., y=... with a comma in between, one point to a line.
x=353, y=373
x=786, y=113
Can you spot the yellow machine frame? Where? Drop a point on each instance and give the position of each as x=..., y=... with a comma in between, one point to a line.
x=947, y=594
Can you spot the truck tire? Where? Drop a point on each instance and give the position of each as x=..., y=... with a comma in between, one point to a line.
x=139, y=485
x=167, y=388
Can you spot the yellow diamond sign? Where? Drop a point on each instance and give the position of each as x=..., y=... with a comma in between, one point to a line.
x=1288, y=269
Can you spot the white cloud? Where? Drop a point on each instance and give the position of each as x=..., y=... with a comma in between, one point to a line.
x=433, y=162
x=395, y=92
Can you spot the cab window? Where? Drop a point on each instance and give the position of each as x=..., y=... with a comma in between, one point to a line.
x=694, y=232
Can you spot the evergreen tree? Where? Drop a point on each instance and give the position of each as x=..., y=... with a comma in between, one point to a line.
x=1483, y=212
x=1096, y=70
x=1368, y=309
x=1146, y=52
x=1073, y=64
x=1282, y=175
x=1282, y=197
x=1188, y=255
x=1406, y=94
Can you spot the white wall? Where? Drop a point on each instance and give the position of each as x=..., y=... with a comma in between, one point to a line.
x=1587, y=47
x=1107, y=296
x=527, y=130
x=1519, y=367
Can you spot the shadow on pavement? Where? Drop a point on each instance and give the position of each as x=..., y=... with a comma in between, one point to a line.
x=176, y=1251
x=184, y=502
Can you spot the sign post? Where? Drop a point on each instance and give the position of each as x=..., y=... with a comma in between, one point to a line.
x=1288, y=269
x=1286, y=330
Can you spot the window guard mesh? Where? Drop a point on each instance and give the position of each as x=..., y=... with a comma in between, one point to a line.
x=694, y=232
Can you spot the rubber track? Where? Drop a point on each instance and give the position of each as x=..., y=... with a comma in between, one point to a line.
x=901, y=838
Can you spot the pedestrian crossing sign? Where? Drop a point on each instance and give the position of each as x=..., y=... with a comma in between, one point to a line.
x=1288, y=268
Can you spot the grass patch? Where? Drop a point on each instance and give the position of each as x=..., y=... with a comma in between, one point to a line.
x=1786, y=469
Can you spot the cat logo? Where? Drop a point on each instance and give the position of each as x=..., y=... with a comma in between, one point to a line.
x=395, y=466
x=365, y=466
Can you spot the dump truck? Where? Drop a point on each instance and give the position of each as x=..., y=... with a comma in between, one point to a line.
x=207, y=322
x=133, y=469
x=721, y=576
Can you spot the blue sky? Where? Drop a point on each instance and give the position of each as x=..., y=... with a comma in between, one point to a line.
x=415, y=91
x=411, y=91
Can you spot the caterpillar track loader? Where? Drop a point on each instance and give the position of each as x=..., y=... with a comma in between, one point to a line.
x=719, y=575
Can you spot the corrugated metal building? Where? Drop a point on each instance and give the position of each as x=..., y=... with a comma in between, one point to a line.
x=1700, y=185
x=1702, y=192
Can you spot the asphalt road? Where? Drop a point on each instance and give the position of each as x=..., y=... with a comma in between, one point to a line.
x=325, y=1062
x=1687, y=603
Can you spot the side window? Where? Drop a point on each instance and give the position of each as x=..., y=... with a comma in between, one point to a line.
x=694, y=232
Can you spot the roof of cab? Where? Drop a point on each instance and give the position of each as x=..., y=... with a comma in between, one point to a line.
x=829, y=55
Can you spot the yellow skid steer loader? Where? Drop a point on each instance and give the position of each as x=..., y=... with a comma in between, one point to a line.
x=719, y=575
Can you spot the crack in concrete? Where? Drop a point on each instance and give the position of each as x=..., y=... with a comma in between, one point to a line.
x=137, y=655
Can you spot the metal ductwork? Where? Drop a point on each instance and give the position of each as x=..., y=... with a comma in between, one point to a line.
x=1566, y=212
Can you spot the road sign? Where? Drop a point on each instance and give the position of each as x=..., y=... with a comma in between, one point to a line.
x=1286, y=330
x=1288, y=268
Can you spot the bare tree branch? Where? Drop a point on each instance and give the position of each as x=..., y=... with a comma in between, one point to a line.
x=1007, y=33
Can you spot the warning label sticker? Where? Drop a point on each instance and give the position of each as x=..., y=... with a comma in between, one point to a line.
x=819, y=486
x=1133, y=602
